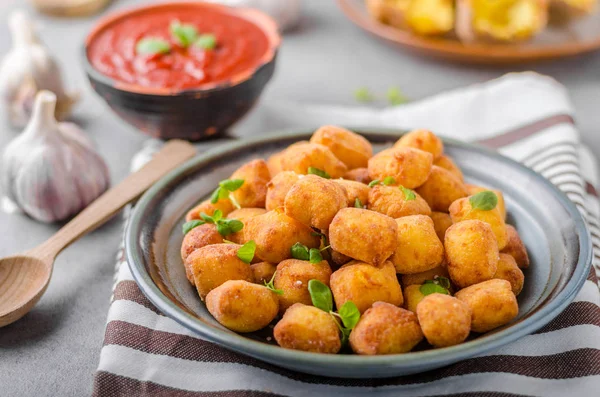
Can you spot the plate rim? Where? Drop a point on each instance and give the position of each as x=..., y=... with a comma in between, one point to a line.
x=474, y=52
x=428, y=358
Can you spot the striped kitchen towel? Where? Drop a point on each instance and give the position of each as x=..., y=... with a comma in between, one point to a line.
x=525, y=116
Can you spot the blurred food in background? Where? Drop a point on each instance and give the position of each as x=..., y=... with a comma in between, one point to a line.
x=285, y=12
x=477, y=20
x=70, y=8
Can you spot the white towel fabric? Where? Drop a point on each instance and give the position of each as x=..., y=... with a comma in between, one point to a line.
x=525, y=116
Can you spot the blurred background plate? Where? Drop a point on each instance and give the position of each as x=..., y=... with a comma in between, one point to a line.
x=549, y=224
x=578, y=37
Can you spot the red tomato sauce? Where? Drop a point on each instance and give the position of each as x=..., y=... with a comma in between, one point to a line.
x=240, y=46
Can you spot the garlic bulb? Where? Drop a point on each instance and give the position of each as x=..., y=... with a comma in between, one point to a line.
x=286, y=13
x=51, y=171
x=26, y=69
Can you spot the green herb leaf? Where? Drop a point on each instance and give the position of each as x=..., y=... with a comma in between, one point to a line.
x=217, y=215
x=223, y=229
x=395, y=96
x=214, y=197
x=184, y=34
x=345, y=335
x=234, y=225
x=207, y=218
x=363, y=95
x=358, y=203
x=409, y=194
x=151, y=46
x=432, y=288
x=223, y=194
x=231, y=184
x=373, y=183
x=389, y=180
x=484, y=201
x=246, y=252
x=270, y=285
x=192, y=224
x=315, y=255
x=318, y=172
x=300, y=251
x=320, y=295
x=349, y=314
x=207, y=41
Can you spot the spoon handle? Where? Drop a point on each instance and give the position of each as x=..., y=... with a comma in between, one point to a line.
x=173, y=154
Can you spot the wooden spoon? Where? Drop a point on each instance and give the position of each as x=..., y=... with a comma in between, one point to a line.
x=24, y=277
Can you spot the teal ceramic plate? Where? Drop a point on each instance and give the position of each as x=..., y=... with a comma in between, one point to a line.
x=550, y=225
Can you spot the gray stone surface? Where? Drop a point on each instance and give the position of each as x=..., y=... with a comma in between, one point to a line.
x=54, y=350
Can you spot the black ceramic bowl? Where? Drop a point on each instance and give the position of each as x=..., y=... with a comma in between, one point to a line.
x=191, y=114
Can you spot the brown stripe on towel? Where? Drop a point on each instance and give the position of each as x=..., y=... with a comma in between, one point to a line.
x=128, y=290
x=590, y=189
x=583, y=362
x=528, y=130
x=592, y=276
x=107, y=384
x=577, y=313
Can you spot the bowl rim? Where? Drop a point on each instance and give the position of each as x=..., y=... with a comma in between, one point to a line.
x=427, y=358
x=258, y=18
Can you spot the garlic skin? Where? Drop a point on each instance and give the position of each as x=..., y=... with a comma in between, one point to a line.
x=26, y=69
x=50, y=171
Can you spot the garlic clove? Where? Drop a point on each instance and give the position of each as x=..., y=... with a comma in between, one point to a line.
x=51, y=170
x=28, y=68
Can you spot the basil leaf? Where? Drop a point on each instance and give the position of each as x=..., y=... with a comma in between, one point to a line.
x=223, y=194
x=345, y=335
x=223, y=229
x=315, y=255
x=246, y=252
x=231, y=184
x=214, y=197
x=395, y=96
x=318, y=172
x=484, y=201
x=358, y=203
x=373, y=183
x=184, y=34
x=271, y=285
x=207, y=218
x=443, y=281
x=431, y=288
x=409, y=194
x=151, y=46
x=363, y=95
x=300, y=251
x=389, y=180
x=320, y=295
x=192, y=224
x=349, y=314
x=217, y=215
x=235, y=225
x=207, y=41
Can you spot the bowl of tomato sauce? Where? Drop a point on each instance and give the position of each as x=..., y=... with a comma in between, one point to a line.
x=186, y=70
